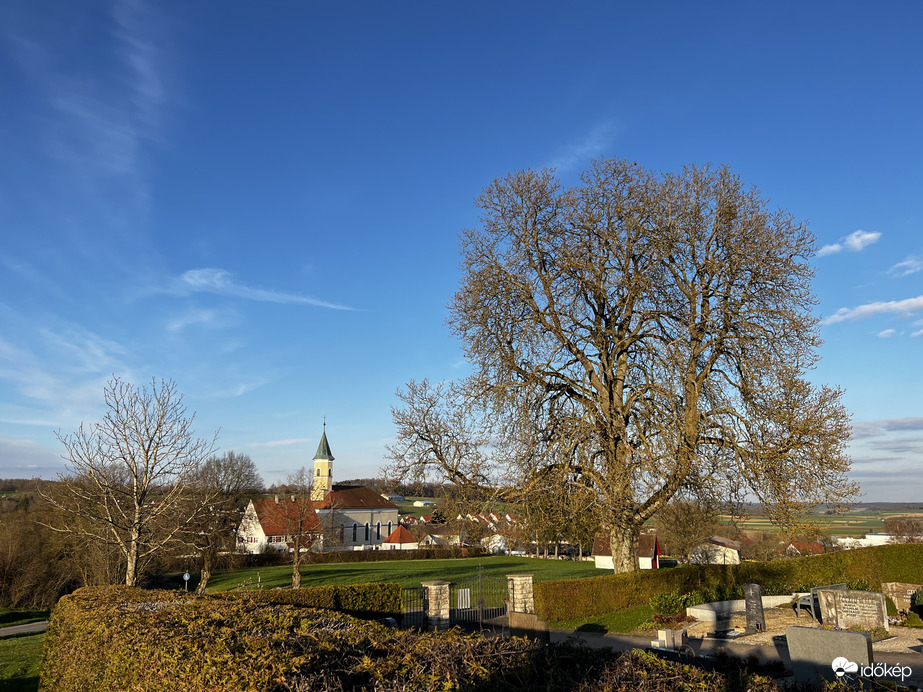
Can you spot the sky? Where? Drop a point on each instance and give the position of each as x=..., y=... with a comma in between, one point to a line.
x=262, y=202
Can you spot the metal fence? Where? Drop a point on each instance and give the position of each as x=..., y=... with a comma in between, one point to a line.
x=478, y=599
x=412, y=599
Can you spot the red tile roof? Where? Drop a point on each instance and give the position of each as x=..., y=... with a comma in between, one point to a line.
x=281, y=517
x=355, y=497
x=400, y=535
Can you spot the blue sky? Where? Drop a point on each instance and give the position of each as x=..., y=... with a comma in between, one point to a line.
x=263, y=203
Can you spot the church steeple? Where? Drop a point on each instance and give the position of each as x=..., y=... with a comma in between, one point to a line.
x=323, y=468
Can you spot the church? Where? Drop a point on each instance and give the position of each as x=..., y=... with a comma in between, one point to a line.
x=342, y=517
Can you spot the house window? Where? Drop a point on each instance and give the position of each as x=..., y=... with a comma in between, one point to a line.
x=378, y=531
x=355, y=528
x=389, y=528
x=366, y=532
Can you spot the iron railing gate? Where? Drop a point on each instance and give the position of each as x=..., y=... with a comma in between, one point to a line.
x=412, y=600
x=477, y=599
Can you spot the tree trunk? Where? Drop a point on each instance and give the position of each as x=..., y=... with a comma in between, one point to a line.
x=624, y=544
x=296, y=566
x=205, y=574
x=131, y=566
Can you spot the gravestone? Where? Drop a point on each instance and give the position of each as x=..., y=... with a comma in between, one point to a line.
x=849, y=608
x=901, y=593
x=753, y=602
x=813, y=651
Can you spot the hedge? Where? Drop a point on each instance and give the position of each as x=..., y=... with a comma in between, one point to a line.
x=109, y=639
x=576, y=598
x=241, y=560
x=366, y=601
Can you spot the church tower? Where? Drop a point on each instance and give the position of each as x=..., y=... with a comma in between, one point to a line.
x=323, y=469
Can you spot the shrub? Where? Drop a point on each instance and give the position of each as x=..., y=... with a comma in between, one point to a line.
x=892, y=608
x=666, y=604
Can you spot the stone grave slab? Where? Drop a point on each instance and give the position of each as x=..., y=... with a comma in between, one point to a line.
x=850, y=608
x=753, y=602
x=813, y=650
x=901, y=593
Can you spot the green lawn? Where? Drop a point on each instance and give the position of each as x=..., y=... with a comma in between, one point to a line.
x=405, y=572
x=622, y=621
x=8, y=617
x=20, y=662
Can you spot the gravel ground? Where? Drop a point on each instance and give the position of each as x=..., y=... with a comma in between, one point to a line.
x=904, y=639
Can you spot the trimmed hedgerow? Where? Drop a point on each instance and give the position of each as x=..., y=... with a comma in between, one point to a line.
x=118, y=638
x=366, y=601
x=865, y=568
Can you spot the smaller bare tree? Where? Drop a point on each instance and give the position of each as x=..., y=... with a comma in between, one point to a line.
x=218, y=490
x=299, y=517
x=684, y=524
x=904, y=530
x=129, y=476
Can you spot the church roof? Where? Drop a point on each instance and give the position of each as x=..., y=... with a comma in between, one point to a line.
x=323, y=449
x=356, y=497
x=286, y=516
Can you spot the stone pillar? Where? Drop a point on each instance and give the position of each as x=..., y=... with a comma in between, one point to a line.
x=436, y=604
x=520, y=588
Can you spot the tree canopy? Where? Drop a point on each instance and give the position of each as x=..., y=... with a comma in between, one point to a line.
x=653, y=333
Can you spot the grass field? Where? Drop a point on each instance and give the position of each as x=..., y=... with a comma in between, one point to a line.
x=623, y=621
x=405, y=572
x=20, y=662
x=8, y=617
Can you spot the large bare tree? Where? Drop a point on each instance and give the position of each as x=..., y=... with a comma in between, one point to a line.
x=129, y=476
x=654, y=333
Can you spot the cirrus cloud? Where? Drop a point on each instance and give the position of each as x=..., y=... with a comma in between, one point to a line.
x=221, y=282
x=854, y=242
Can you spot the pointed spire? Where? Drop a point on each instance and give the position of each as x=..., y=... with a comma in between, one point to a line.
x=323, y=448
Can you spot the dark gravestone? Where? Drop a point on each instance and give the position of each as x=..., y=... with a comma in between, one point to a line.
x=753, y=600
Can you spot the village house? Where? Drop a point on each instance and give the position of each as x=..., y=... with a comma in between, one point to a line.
x=648, y=551
x=273, y=523
x=400, y=539
x=717, y=550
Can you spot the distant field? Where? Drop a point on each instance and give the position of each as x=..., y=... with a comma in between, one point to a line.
x=854, y=523
x=407, y=573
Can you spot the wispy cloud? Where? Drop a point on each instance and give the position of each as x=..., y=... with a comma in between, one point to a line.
x=854, y=242
x=203, y=318
x=887, y=333
x=221, y=282
x=98, y=124
x=596, y=143
x=239, y=390
x=282, y=443
x=904, y=308
x=911, y=265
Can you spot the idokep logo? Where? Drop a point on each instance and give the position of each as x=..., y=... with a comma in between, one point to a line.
x=841, y=666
